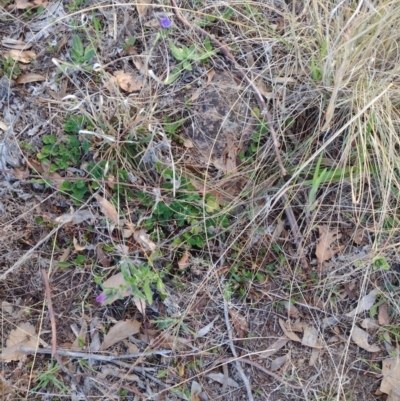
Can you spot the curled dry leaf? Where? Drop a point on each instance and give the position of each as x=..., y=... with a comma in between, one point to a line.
x=239, y=323
x=108, y=209
x=129, y=82
x=391, y=375
x=80, y=340
x=22, y=56
x=310, y=338
x=23, y=336
x=142, y=6
x=143, y=239
x=383, y=315
x=370, y=324
x=360, y=337
x=366, y=303
x=120, y=331
x=117, y=281
x=292, y=310
x=77, y=246
x=219, y=377
x=77, y=217
x=326, y=238
x=195, y=391
x=274, y=348
x=279, y=362
x=15, y=44
x=30, y=77
x=101, y=256
x=289, y=332
x=3, y=126
x=183, y=261
x=205, y=330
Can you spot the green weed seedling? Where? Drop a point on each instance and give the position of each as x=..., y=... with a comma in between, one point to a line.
x=49, y=377
x=140, y=279
x=187, y=56
x=10, y=67
x=81, y=55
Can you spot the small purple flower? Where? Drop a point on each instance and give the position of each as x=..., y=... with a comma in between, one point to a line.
x=101, y=298
x=165, y=22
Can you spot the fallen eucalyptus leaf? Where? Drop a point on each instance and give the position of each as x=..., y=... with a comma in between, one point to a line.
x=360, y=337
x=120, y=331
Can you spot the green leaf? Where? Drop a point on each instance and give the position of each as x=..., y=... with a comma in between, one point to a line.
x=148, y=292
x=174, y=75
x=77, y=46
x=89, y=53
x=49, y=139
x=176, y=51
x=187, y=66
x=207, y=44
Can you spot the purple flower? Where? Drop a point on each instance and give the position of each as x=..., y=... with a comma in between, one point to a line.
x=165, y=22
x=101, y=298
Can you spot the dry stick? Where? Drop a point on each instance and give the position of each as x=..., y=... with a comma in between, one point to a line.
x=104, y=358
x=234, y=353
x=264, y=112
x=94, y=357
x=54, y=334
x=258, y=366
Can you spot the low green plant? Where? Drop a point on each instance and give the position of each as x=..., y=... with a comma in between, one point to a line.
x=139, y=279
x=198, y=219
x=187, y=56
x=49, y=378
x=10, y=67
x=81, y=55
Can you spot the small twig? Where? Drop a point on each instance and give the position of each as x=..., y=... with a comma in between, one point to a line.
x=51, y=313
x=234, y=353
x=258, y=366
x=54, y=334
x=94, y=357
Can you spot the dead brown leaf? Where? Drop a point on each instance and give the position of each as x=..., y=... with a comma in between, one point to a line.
x=142, y=238
x=129, y=82
x=383, y=315
x=219, y=378
x=391, y=375
x=101, y=256
x=291, y=309
x=108, y=209
x=21, y=173
x=360, y=337
x=326, y=238
x=3, y=126
x=183, y=261
x=80, y=340
x=274, y=348
x=365, y=303
x=30, y=77
x=23, y=336
x=195, y=391
x=289, y=332
x=22, y=56
x=120, y=331
x=310, y=337
x=77, y=246
x=142, y=7
x=279, y=362
x=15, y=44
x=117, y=281
x=239, y=323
